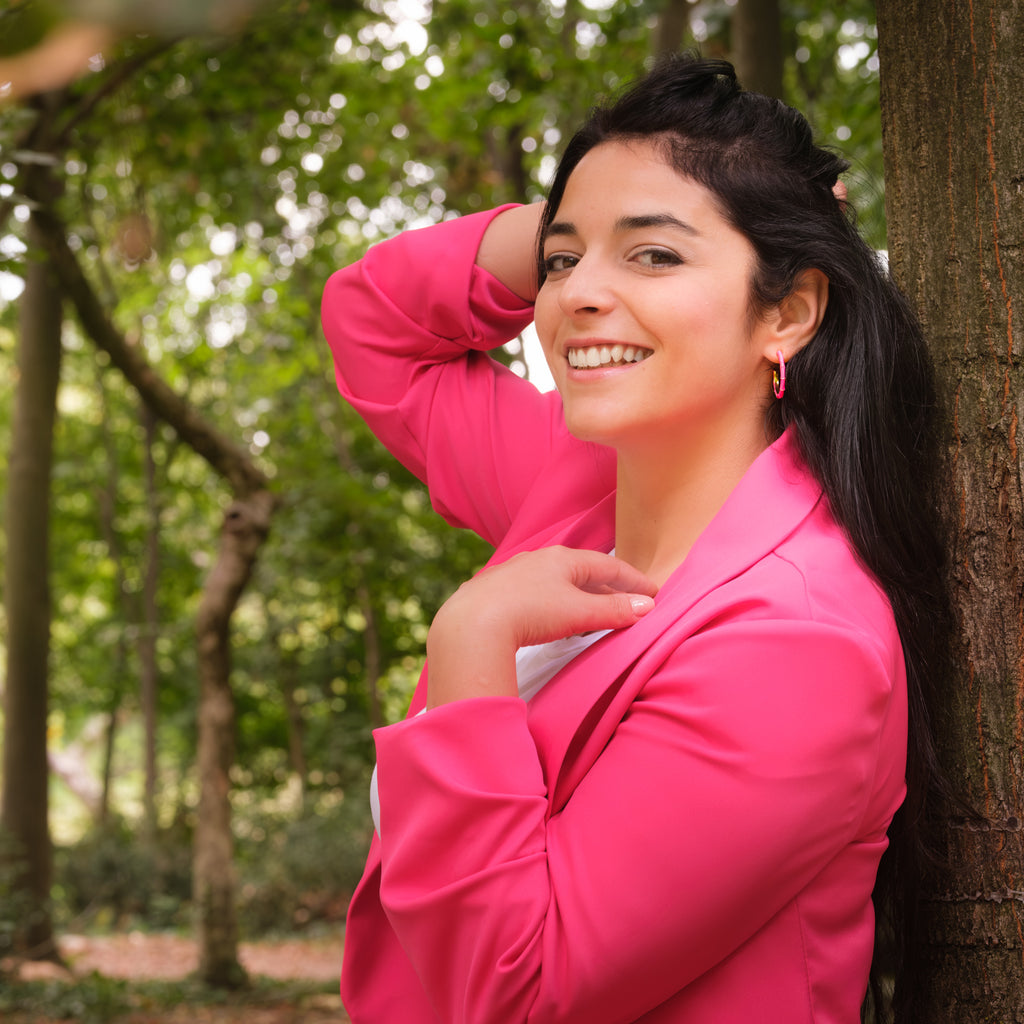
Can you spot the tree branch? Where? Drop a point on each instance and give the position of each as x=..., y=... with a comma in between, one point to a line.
x=224, y=456
x=121, y=73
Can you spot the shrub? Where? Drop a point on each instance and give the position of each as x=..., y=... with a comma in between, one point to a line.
x=294, y=872
x=113, y=876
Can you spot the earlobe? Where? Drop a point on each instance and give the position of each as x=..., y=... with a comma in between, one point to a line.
x=799, y=315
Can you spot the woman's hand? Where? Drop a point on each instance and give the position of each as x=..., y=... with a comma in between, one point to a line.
x=532, y=598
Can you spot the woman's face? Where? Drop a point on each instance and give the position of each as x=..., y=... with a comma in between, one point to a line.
x=644, y=315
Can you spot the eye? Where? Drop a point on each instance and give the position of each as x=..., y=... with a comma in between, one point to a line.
x=559, y=262
x=657, y=258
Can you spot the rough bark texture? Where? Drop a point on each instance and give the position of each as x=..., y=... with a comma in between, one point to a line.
x=757, y=45
x=245, y=528
x=953, y=114
x=24, y=802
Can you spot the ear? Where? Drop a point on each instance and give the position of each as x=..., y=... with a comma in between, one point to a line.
x=798, y=316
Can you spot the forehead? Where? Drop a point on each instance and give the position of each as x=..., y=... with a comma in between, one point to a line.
x=635, y=178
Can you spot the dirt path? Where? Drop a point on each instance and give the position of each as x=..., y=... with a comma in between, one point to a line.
x=139, y=956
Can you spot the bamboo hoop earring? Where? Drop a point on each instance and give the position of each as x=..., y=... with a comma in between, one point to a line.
x=779, y=376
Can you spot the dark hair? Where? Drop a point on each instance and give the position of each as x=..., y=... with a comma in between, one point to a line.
x=859, y=395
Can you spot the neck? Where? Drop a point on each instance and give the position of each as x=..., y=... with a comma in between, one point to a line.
x=665, y=501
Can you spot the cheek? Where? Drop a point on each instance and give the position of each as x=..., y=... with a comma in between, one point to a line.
x=545, y=321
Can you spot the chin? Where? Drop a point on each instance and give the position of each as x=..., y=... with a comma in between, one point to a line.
x=585, y=429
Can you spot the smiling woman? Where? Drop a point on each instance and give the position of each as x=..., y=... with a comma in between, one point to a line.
x=654, y=761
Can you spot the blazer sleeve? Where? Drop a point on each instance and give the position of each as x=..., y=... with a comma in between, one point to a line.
x=741, y=770
x=409, y=327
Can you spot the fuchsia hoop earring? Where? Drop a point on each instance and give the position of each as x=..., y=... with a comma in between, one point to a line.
x=779, y=376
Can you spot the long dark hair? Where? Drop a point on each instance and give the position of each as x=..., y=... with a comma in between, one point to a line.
x=859, y=395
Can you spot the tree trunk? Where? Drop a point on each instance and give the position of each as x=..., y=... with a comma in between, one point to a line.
x=289, y=670
x=106, y=501
x=757, y=45
x=246, y=523
x=148, y=672
x=954, y=154
x=24, y=802
x=372, y=659
x=672, y=26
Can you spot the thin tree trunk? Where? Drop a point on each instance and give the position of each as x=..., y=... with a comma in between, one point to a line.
x=148, y=672
x=245, y=528
x=757, y=45
x=954, y=153
x=672, y=27
x=109, y=743
x=24, y=804
x=372, y=659
x=106, y=500
x=296, y=730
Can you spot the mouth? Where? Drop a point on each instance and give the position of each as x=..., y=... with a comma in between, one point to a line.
x=594, y=356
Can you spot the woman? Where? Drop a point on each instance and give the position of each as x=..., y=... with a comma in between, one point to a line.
x=666, y=729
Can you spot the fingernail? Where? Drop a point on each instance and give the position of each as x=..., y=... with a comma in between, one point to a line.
x=641, y=605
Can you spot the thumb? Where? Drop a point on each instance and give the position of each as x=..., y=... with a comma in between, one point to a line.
x=618, y=610
x=640, y=604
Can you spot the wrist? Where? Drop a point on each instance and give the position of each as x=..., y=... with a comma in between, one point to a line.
x=468, y=658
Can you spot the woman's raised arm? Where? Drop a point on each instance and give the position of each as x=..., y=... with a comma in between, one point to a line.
x=508, y=249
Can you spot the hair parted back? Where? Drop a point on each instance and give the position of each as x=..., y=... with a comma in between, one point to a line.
x=859, y=396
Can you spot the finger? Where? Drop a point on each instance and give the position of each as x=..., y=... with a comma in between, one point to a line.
x=611, y=611
x=596, y=572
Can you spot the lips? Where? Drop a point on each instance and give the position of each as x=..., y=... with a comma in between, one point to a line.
x=594, y=356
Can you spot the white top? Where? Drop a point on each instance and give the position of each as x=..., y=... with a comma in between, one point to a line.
x=535, y=666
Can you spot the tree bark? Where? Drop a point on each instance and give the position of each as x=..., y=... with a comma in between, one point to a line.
x=954, y=154
x=246, y=524
x=24, y=804
x=757, y=45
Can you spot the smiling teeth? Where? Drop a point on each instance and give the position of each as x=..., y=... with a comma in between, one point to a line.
x=606, y=355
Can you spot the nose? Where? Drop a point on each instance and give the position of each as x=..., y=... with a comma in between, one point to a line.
x=587, y=289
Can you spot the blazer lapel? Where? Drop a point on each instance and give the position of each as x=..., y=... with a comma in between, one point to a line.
x=574, y=716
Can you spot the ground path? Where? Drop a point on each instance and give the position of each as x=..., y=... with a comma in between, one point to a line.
x=142, y=956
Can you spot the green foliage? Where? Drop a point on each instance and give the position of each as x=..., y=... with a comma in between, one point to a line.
x=14, y=900
x=833, y=79
x=113, y=877
x=24, y=24
x=297, y=872
x=95, y=999
x=297, y=862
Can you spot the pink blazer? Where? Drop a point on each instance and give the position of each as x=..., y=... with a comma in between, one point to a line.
x=684, y=825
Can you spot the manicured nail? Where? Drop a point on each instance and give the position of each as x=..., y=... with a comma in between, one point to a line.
x=641, y=605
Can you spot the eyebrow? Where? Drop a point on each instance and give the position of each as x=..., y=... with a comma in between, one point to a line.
x=630, y=223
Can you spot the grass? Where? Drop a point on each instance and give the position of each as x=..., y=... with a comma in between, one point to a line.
x=95, y=999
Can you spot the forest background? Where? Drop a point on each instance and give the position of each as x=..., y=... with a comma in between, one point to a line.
x=216, y=582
